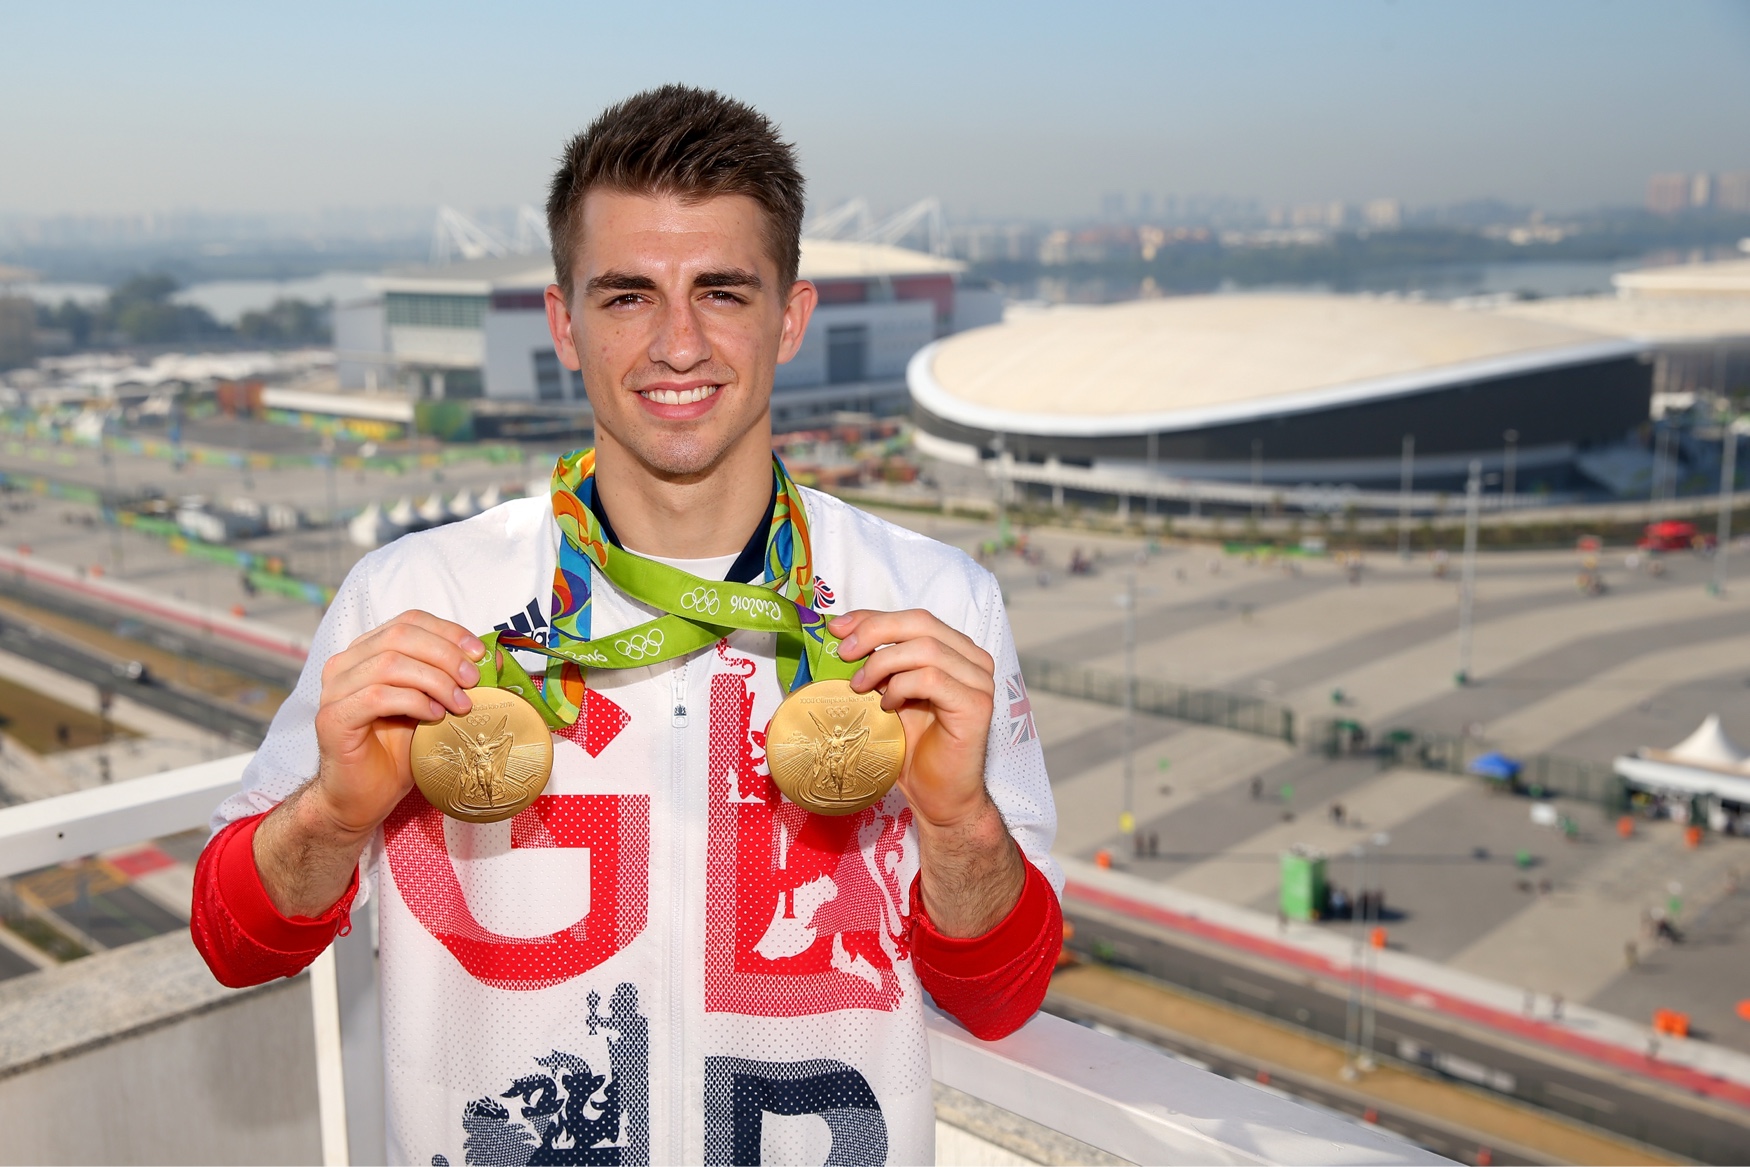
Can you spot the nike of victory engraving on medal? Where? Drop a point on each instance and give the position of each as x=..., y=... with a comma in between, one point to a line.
x=833, y=750
x=487, y=764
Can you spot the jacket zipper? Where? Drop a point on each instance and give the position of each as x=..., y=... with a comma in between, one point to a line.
x=679, y=983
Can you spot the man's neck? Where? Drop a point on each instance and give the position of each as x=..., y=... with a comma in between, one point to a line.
x=694, y=518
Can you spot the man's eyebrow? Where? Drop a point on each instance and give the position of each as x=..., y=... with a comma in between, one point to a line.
x=619, y=281
x=729, y=277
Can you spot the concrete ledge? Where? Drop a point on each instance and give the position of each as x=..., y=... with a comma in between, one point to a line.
x=104, y=998
x=137, y=1055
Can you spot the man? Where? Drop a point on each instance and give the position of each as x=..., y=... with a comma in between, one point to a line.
x=758, y=961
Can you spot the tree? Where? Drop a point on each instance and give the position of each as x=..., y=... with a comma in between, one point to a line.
x=287, y=322
x=142, y=310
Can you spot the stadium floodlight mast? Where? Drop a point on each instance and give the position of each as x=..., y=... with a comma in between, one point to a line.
x=1473, y=490
x=1406, y=477
x=1728, y=492
x=1363, y=960
x=1127, y=600
x=1511, y=437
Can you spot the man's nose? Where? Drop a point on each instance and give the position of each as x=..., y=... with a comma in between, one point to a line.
x=680, y=341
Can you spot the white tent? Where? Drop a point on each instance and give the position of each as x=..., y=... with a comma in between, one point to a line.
x=1708, y=746
x=372, y=528
x=1707, y=762
x=403, y=515
x=463, y=505
x=432, y=511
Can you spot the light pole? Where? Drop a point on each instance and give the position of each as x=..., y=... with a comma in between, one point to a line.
x=1661, y=441
x=329, y=454
x=1127, y=601
x=1473, y=490
x=1257, y=476
x=1352, y=1013
x=1370, y=985
x=1512, y=438
x=1728, y=483
x=1406, y=476
x=111, y=502
x=1153, y=450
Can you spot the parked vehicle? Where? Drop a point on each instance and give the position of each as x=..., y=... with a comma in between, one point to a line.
x=1674, y=535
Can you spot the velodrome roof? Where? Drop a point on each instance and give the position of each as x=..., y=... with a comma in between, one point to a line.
x=1671, y=319
x=1728, y=277
x=1194, y=361
x=822, y=259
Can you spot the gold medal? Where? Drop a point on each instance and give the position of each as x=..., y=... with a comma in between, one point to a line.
x=487, y=764
x=833, y=750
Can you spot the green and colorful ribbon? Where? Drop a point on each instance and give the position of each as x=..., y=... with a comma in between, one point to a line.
x=698, y=612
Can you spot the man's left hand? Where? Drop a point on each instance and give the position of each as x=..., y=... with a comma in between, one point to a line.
x=942, y=685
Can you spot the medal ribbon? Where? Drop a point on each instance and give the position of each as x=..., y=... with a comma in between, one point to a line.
x=699, y=612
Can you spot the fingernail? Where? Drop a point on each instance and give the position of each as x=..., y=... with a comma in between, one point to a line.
x=461, y=698
x=857, y=678
x=437, y=712
x=475, y=649
x=848, y=646
x=470, y=674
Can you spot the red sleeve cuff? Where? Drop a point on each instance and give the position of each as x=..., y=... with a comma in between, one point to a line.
x=253, y=912
x=993, y=983
x=1016, y=935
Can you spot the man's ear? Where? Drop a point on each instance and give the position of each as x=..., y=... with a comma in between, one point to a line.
x=798, y=310
x=559, y=324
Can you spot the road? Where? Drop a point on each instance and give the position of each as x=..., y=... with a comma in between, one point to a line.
x=1705, y=1132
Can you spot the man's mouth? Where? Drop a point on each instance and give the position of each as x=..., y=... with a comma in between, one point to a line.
x=678, y=396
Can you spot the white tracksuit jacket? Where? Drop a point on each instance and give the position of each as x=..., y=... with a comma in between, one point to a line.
x=664, y=963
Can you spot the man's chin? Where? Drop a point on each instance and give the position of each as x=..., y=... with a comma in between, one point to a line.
x=680, y=458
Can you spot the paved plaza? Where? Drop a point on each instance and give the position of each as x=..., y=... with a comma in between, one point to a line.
x=1554, y=671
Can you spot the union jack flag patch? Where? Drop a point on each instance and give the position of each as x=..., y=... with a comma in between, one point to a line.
x=1021, y=727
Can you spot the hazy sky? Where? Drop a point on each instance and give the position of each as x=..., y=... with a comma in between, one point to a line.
x=1001, y=109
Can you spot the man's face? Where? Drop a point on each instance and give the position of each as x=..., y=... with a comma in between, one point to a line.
x=677, y=324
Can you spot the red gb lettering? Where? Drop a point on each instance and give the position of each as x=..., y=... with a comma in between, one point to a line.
x=615, y=829
x=803, y=911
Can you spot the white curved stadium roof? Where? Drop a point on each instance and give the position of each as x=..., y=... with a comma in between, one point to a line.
x=1195, y=361
x=822, y=259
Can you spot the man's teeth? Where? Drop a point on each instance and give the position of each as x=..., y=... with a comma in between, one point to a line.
x=678, y=396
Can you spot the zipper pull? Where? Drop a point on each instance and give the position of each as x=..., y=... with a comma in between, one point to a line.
x=679, y=688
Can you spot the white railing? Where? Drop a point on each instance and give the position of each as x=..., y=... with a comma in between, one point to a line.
x=1124, y=1098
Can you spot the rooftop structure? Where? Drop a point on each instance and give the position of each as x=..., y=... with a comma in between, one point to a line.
x=1729, y=277
x=1693, y=317
x=1314, y=386
x=478, y=328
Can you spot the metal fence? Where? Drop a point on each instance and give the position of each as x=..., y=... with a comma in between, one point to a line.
x=1540, y=775
x=1162, y=698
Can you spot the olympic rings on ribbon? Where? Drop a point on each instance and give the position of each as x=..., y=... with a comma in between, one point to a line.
x=703, y=600
x=644, y=644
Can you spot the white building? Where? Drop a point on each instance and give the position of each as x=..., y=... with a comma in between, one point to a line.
x=479, y=329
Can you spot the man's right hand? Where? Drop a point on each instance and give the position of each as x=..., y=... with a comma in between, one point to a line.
x=374, y=693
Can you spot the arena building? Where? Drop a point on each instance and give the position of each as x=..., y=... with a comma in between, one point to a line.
x=478, y=329
x=1280, y=389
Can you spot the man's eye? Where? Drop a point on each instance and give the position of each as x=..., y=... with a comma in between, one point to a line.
x=628, y=298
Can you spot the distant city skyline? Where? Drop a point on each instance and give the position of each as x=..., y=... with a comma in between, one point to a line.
x=1027, y=111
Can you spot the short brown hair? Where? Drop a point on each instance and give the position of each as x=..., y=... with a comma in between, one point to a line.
x=677, y=140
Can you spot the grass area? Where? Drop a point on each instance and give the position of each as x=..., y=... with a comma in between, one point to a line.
x=40, y=934
x=47, y=726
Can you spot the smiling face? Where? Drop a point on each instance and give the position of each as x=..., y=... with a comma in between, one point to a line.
x=677, y=324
